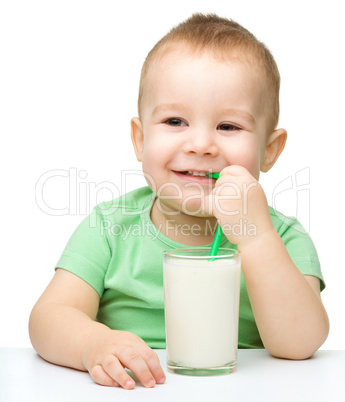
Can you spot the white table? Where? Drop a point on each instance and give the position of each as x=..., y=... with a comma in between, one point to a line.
x=25, y=377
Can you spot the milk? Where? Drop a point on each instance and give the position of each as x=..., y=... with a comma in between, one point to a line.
x=201, y=311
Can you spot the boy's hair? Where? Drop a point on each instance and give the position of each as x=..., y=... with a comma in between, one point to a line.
x=225, y=38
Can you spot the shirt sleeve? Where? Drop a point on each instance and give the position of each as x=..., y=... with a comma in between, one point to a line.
x=299, y=245
x=87, y=253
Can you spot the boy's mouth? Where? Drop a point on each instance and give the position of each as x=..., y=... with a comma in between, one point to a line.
x=196, y=176
x=202, y=176
x=194, y=173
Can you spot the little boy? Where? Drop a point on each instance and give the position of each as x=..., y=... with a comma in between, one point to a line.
x=208, y=102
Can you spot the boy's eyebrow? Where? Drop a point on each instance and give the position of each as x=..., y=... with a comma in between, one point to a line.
x=240, y=113
x=168, y=106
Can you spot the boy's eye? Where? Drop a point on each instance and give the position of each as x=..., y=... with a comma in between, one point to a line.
x=227, y=127
x=175, y=122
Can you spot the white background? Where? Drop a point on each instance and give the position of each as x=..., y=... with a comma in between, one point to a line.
x=69, y=75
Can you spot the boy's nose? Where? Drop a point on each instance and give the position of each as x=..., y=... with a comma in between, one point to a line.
x=200, y=142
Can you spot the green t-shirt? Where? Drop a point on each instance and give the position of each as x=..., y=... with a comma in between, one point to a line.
x=119, y=252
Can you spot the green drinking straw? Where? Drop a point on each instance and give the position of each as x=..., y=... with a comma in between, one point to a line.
x=219, y=233
x=213, y=175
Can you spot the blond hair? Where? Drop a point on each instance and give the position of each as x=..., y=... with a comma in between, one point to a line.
x=224, y=38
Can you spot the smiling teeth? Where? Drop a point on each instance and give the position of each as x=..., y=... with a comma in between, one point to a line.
x=193, y=173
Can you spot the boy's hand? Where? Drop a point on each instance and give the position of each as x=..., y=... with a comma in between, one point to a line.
x=240, y=205
x=107, y=357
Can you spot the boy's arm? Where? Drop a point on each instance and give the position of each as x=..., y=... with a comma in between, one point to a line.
x=286, y=304
x=63, y=331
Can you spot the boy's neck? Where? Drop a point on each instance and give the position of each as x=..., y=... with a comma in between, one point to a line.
x=185, y=229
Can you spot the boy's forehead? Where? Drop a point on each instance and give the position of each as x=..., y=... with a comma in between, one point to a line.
x=180, y=51
x=172, y=56
x=180, y=78
x=177, y=58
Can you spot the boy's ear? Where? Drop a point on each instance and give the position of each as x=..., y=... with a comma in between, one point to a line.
x=275, y=145
x=137, y=136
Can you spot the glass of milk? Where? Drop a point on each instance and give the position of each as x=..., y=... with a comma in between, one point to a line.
x=201, y=295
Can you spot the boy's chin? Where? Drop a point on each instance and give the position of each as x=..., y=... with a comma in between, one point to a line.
x=192, y=209
x=197, y=213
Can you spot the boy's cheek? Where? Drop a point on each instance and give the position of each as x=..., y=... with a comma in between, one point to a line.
x=249, y=157
x=253, y=167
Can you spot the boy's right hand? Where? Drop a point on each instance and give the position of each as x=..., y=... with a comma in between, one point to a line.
x=107, y=357
x=64, y=331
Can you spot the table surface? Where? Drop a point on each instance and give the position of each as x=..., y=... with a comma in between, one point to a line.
x=24, y=376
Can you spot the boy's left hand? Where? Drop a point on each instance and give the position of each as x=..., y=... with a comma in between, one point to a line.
x=240, y=205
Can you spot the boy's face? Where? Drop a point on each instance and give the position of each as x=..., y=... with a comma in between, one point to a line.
x=198, y=115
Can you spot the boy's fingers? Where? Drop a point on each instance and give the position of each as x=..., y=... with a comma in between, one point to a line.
x=131, y=359
x=113, y=368
x=136, y=356
x=234, y=170
x=149, y=356
x=234, y=174
x=100, y=377
x=153, y=364
x=235, y=186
